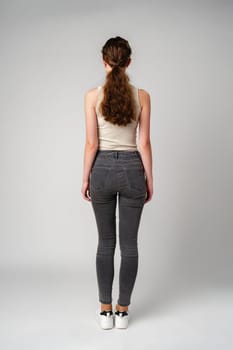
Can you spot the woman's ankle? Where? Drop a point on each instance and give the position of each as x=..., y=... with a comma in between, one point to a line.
x=121, y=308
x=106, y=307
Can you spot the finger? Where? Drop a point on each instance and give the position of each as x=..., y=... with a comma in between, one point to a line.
x=85, y=196
x=88, y=194
x=148, y=198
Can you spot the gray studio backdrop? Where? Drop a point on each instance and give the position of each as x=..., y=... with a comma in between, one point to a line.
x=50, y=56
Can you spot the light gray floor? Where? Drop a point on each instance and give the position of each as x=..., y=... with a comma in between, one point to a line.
x=56, y=310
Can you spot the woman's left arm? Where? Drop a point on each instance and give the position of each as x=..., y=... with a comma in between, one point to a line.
x=92, y=142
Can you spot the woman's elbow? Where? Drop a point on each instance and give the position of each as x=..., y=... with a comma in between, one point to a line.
x=144, y=144
x=92, y=145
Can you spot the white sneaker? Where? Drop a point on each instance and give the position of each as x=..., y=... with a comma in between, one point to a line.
x=106, y=319
x=121, y=319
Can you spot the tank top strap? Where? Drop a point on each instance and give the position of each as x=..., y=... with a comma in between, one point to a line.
x=99, y=91
x=137, y=100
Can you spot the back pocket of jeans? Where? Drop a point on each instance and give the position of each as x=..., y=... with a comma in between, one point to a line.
x=99, y=178
x=136, y=179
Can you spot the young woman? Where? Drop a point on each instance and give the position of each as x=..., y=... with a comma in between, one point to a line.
x=116, y=167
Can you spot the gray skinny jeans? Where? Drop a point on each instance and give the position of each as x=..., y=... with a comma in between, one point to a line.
x=117, y=174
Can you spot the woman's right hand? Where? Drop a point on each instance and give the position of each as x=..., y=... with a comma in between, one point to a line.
x=149, y=185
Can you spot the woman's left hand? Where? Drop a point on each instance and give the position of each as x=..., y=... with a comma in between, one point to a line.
x=86, y=191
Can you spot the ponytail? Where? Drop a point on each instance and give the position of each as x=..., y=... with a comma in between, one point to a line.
x=118, y=105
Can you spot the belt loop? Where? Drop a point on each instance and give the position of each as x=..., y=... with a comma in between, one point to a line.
x=115, y=154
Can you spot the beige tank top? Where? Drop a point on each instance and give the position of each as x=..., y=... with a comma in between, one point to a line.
x=117, y=137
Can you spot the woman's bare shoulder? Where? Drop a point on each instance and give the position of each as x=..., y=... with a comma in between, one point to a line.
x=144, y=96
x=91, y=95
x=92, y=92
x=143, y=92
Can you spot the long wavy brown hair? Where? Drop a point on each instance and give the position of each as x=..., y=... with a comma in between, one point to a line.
x=118, y=103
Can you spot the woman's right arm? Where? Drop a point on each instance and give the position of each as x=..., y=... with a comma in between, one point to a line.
x=144, y=143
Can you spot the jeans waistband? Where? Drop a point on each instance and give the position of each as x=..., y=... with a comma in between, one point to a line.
x=124, y=154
